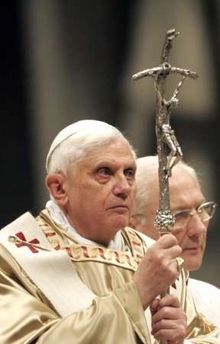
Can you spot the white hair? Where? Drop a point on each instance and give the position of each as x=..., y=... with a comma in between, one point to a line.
x=73, y=142
x=147, y=173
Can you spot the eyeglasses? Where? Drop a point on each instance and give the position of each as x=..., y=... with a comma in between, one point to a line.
x=205, y=212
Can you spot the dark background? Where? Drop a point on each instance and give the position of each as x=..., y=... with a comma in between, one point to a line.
x=62, y=61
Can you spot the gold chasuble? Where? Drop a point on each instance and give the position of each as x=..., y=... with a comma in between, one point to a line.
x=56, y=290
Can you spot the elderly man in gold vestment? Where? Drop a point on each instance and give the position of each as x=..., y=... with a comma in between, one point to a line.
x=192, y=214
x=76, y=273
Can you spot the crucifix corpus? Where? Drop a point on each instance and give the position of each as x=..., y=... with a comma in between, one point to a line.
x=168, y=149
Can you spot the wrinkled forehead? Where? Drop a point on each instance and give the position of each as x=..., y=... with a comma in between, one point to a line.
x=182, y=179
x=185, y=191
x=116, y=154
x=115, y=150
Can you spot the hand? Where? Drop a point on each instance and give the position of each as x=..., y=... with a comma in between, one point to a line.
x=169, y=321
x=158, y=269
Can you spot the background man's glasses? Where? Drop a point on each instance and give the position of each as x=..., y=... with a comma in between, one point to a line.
x=205, y=212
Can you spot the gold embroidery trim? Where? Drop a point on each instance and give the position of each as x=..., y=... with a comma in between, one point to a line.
x=78, y=252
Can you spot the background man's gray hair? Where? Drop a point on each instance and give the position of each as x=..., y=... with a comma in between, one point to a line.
x=147, y=173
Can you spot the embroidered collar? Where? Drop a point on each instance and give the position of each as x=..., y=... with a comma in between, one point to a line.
x=61, y=221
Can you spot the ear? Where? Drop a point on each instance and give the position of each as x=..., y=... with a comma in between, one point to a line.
x=55, y=186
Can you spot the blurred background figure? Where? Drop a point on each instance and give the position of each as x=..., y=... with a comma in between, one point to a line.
x=68, y=60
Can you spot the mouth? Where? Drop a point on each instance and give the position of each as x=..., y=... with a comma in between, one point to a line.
x=119, y=207
x=192, y=249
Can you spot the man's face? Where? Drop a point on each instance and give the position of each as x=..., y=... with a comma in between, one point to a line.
x=100, y=191
x=185, y=194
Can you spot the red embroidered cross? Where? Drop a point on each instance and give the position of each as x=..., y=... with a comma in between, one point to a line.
x=21, y=236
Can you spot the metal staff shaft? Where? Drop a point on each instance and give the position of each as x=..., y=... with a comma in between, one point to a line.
x=168, y=149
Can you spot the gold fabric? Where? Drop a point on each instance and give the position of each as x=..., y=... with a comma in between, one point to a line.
x=116, y=314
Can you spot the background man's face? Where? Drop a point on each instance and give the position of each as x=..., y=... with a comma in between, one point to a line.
x=185, y=193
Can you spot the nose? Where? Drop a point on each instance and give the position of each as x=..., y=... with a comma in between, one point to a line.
x=196, y=226
x=122, y=186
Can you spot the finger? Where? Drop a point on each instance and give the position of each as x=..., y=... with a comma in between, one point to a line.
x=171, y=335
x=154, y=306
x=164, y=251
x=166, y=241
x=175, y=321
x=169, y=300
x=168, y=313
x=165, y=313
x=165, y=324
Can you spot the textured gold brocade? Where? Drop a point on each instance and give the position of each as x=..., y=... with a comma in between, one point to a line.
x=201, y=326
x=116, y=314
x=79, y=252
x=198, y=325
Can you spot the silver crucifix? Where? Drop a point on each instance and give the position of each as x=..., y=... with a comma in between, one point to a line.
x=168, y=149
